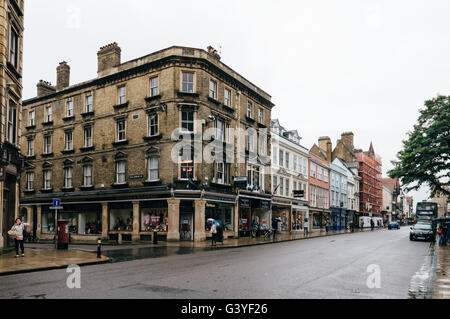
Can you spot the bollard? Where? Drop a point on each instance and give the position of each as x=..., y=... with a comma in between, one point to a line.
x=99, y=248
x=155, y=238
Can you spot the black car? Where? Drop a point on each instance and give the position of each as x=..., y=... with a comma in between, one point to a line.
x=422, y=231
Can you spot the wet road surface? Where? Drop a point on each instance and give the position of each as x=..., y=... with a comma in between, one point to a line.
x=327, y=267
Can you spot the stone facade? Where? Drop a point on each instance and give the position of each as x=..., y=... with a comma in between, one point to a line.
x=11, y=40
x=112, y=140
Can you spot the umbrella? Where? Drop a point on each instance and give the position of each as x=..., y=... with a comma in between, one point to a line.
x=210, y=220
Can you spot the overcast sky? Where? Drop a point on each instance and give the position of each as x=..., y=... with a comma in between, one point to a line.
x=330, y=66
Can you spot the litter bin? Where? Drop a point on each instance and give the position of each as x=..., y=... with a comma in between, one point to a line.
x=63, y=234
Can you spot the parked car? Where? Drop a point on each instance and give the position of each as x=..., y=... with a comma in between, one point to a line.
x=422, y=231
x=394, y=225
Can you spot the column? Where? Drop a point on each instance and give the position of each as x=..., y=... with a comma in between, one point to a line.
x=136, y=211
x=105, y=221
x=173, y=233
x=199, y=220
x=30, y=217
x=39, y=221
x=236, y=220
x=16, y=200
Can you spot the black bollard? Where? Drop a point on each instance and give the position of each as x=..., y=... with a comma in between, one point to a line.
x=155, y=238
x=99, y=248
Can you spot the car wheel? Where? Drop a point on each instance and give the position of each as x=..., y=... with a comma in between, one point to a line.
x=411, y=239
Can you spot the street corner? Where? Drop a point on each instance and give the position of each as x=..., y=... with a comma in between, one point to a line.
x=46, y=259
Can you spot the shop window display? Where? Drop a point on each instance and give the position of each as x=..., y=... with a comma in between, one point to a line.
x=220, y=212
x=154, y=219
x=317, y=221
x=297, y=221
x=48, y=223
x=121, y=219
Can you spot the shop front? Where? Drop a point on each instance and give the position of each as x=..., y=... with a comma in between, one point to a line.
x=282, y=210
x=254, y=214
x=319, y=218
x=154, y=218
x=223, y=213
x=299, y=218
x=339, y=219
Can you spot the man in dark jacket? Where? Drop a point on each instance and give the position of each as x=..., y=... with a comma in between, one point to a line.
x=275, y=226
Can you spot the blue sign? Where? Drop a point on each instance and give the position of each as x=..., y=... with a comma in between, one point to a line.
x=56, y=202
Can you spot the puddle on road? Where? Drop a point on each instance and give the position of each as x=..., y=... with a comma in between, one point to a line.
x=422, y=283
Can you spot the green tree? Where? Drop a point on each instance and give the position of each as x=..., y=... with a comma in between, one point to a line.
x=425, y=158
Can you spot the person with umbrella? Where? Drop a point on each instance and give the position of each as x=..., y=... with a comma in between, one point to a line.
x=213, y=224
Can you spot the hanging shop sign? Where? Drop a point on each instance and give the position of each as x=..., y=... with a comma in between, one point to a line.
x=244, y=202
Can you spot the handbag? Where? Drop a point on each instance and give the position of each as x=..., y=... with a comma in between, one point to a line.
x=13, y=233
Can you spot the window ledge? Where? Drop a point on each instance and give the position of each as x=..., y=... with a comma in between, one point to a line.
x=13, y=70
x=47, y=155
x=47, y=123
x=120, y=106
x=184, y=94
x=31, y=127
x=123, y=185
x=87, y=149
x=30, y=158
x=121, y=143
x=249, y=119
x=260, y=125
x=88, y=114
x=152, y=98
x=67, y=189
x=86, y=188
x=65, y=152
x=69, y=118
x=50, y=190
x=152, y=183
x=213, y=100
x=228, y=108
x=29, y=191
x=152, y=138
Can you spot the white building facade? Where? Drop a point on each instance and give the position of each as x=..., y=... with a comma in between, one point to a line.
x=289, y=178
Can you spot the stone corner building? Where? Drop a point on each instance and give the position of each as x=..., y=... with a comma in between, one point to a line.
x=104, y=147
x=11, y=40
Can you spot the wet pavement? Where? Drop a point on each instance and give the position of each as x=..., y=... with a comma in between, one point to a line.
x=442, y=283
x=422, y=283
x=46, y=259
x=323, y=268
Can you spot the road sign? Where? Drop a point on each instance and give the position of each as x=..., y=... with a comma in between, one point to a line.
x=56, y=202
x=56, y=208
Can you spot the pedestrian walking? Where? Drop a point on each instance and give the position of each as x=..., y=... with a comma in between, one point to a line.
x=440, y=232
x=444, y=234
x=327, y=226
x=275, y=222
x=372, y=225
x=305, y=227
x=18, y=230
x=214, y=234
x=362, y=224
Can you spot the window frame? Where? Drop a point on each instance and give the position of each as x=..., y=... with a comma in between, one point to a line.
x=86, y=138
x=85, y=176
x=69, y=110
x=187, y=83
x=68, y=177
x=152, y=87
x=213, y=89
x=30, y=182
x=68, y=141
x=151, y=125
x=150, y=169
x=120, y=173
x=32, y=118
x=48, y=147
x=119, y=96
x=46, y=179
x=120, y=131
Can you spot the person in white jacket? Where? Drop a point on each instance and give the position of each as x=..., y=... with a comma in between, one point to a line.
x=19, y=227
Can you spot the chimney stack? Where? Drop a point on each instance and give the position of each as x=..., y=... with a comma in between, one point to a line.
x=348, y=140
x=329, y=151
x=108, y=57
x=62, y=76
x=45, y=88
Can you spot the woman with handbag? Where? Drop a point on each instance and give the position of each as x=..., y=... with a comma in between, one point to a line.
x=18, y=230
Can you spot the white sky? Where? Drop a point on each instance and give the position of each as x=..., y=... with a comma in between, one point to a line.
x=330, y=66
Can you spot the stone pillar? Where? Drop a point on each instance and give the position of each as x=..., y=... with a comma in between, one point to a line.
x=136, y=210
x=173, y=233
x=199, y=220
x=39, y=221
x=236, y=220
x=16, y=200
x=30, y=218
x=105, y=221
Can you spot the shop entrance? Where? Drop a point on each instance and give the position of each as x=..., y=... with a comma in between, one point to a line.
x=186, y=221
x=8, y=208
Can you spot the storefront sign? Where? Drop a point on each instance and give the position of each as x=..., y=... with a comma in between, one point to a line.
x=265, y=204
x=244, y=202
x=299, y=194
x=210, y=205
x=240, y=182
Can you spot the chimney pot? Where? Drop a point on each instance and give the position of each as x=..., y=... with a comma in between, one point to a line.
x=44, y=88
